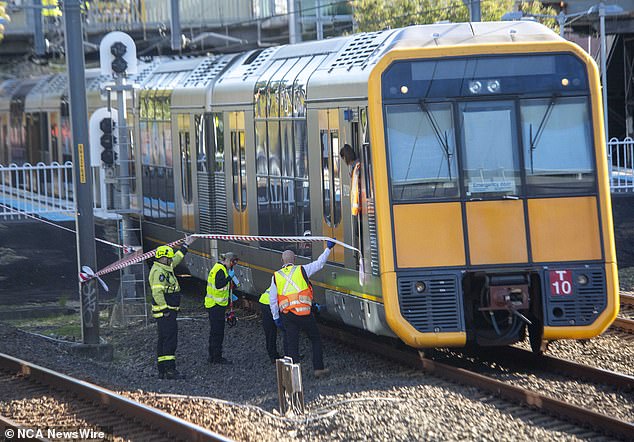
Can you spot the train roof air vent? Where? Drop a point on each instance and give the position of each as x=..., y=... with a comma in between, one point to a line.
x=206, y=72
x=259, y=61
x=359, y=50
x=253, y=56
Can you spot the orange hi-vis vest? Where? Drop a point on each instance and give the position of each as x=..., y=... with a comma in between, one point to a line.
x=294, y=293
x=354, y=190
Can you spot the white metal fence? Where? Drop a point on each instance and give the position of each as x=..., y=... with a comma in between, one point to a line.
x=41, y=189
x=621, y=163
x=45, y=190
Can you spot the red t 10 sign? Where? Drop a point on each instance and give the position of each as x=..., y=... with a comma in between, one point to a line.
x=560, y=282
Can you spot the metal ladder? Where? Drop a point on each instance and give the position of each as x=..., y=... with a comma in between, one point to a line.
x=132, y=286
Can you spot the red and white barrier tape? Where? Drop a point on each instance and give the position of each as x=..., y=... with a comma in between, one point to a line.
x=136, y=257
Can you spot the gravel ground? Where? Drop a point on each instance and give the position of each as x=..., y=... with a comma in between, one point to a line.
x=368, y=398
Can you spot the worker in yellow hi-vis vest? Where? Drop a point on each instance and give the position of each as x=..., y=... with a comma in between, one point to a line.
x=166, y=301
x=219, y=281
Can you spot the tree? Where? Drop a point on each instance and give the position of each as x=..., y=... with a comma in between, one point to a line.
x=374, y=15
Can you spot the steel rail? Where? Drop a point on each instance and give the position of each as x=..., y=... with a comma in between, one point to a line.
x=624, y=324
x=573, y=413
x=150, y=416
x=627, y=299
x=593, y=374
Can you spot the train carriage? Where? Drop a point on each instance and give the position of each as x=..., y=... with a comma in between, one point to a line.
x=506, y=183
x=485, y=206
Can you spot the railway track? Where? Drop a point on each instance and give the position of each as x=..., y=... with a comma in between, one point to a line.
x=627, y=300
x=580, y=416
x=38, y=398
x=625, y=324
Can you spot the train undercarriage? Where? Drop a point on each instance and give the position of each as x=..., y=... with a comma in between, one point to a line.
x=501, y=308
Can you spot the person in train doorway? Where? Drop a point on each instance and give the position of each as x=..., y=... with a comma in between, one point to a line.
x=219, y=281
x=270, y=329
x=291, y=300
x=349, y=156
x=166, y=298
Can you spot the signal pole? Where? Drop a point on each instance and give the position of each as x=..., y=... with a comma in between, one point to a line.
x=86, y=252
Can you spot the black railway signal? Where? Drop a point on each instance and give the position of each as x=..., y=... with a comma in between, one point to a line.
x=118, y=50
x=107, y=141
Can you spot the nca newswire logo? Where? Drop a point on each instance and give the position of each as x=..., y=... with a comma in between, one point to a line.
x=85, y=434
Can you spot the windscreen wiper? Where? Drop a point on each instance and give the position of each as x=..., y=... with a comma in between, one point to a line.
x=443, y=141
x=540, y=129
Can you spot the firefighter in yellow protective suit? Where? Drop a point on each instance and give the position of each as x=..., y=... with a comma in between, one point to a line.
x=166, y=299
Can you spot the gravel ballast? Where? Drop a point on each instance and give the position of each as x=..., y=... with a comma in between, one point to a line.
x=365, y=398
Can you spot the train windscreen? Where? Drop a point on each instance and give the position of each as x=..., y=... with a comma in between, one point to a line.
x=488, y=127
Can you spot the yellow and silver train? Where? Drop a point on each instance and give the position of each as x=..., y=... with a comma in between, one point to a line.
x=485, y=203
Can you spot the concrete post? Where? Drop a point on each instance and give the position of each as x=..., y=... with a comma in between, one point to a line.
x=86, y=252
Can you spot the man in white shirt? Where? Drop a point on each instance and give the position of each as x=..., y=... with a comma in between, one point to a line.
x=290, y=298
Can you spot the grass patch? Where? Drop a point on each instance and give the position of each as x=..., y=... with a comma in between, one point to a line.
x=61, y=326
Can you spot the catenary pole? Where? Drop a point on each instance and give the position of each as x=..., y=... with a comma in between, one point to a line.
x=82, y=179
x=604, y=68
x=38, y=33
x=175, y=21
x=475, y=12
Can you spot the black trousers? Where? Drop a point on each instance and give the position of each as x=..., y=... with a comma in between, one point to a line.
x=167, y=342
x=216, y=331
x=293, y=324
x=270, y=331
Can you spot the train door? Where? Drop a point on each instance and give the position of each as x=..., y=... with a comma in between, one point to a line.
x=185, y=172
x=331, y=178
x=238, y=173
x=492, y=183
x=351, y=134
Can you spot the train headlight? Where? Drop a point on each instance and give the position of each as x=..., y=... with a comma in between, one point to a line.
x=582, y=279
x=475, y=87
x=420, y=286
x=404, y=90
x=493, y=86
x=565, y=82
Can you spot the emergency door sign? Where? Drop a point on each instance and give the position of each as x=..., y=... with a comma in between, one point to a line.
x=560, y=282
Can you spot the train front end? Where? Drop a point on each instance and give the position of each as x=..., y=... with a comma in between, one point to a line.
x=493, y=200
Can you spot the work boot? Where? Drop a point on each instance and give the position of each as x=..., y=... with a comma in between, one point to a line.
x=322, y=373
x=221, y=361
x=173, y=374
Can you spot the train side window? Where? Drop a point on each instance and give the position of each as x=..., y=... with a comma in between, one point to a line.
x=367, y=160
x=219, y=142
x=275, y=162
x=243, y=170
x=331, y=181
x=325, y=174
x=238, y=161
x=336, y=176
x=184, y=145
x=200, y=134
